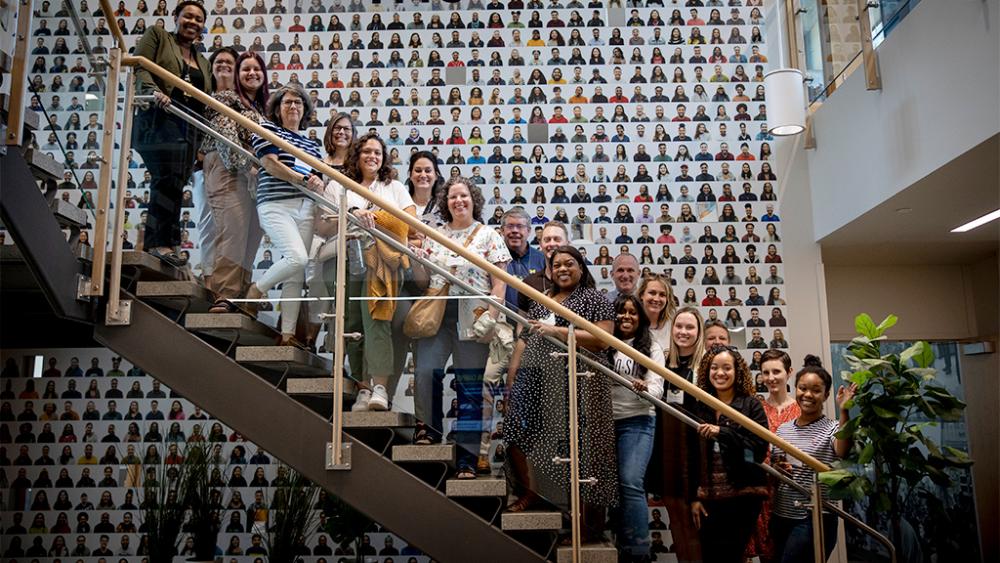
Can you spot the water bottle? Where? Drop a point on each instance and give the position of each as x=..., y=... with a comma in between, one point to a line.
x=355, y=258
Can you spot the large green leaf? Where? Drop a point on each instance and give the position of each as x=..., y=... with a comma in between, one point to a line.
x=887, y=323
x=864, y=325
x=859, y=377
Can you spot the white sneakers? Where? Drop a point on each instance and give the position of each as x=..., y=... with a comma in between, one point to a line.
x=362, y=402
x=379, y=400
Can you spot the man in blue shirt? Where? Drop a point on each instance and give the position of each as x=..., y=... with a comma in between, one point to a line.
x=770, y=215
x=515, y=226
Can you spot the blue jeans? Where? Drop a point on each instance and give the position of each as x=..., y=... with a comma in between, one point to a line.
x=635, y=446
x=793, y=538
x=468, y=359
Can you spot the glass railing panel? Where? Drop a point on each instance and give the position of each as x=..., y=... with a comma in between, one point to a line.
x=831, y=40
x=885, y=15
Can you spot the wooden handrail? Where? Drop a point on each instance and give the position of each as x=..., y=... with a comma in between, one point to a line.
x=534, y=294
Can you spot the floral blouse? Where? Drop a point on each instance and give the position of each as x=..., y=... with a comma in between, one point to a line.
x=231, y=130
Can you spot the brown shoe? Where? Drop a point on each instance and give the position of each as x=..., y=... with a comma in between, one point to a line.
x=483, y=465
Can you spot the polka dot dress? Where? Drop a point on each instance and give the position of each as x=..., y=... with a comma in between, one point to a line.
x=537, y=417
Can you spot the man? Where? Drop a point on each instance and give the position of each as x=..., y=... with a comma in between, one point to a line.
x=774, y=278
x=553, y=235
x=755, y=298
x=711, y=299
x=770, y=215
x=525, y=261
x=624, y=274
x=755, y=320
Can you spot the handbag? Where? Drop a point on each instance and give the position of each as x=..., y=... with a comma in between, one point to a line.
x=424, y=318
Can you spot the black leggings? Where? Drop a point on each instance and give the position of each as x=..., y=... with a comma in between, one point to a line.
x=727, y=528
x=167, y=145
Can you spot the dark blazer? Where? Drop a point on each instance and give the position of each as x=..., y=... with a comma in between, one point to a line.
x=740, y=448
x=160, y=46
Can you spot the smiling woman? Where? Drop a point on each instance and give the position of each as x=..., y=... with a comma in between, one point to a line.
x=167, y=143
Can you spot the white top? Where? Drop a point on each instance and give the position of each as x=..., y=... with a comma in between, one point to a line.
x=662, y=337
x=393, y=190
x=624, y=402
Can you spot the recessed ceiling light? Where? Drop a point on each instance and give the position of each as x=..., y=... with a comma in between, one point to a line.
x=992, y=216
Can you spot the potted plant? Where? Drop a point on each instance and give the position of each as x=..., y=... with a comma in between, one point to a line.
x=161, y=511
x=346, y=526
x=202, y=501
x=894, y=460
x=292, y=518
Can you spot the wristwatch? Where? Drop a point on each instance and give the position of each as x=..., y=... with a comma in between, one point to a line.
x=305, y=178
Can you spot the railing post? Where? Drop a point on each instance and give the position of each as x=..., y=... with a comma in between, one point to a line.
x=118, y=310
x=337, y=446
x=96, y=286
x=574, y=444
x=873, y=76
x=19, y=74
x=819, y=549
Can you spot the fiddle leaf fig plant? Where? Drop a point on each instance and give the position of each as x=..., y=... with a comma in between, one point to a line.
x=897, y=402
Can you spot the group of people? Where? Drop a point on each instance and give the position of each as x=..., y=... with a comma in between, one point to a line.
x=721, y=505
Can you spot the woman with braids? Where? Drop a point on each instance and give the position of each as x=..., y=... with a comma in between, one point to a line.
x=727, y=487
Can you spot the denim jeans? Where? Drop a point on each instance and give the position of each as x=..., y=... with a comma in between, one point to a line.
x=635, y=446
x=793, y=538
x=468, y=359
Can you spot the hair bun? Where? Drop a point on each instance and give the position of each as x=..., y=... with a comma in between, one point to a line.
x=812, y=361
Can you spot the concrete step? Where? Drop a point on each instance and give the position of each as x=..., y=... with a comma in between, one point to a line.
x=69, y=215
x=378, y=419
x=436, y=453
x=149, y=267
x=43, y=166
x=481, y=487
x=176, y=295
x=531, y=520
x=279, y=358
x=593, y=553
x=226, y=325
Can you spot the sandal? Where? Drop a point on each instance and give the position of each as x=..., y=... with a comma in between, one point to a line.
x=422, y=436
x=526, y=502
x=170, y=258
x=483, y=465
x=290, y=340
x=223, y=306
x=465, y=474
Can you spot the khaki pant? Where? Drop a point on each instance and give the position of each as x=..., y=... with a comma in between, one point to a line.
x=237, y=228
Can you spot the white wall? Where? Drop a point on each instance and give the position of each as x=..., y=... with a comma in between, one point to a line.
x=939, y=98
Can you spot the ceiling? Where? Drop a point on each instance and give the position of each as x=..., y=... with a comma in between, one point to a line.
x=914, y=226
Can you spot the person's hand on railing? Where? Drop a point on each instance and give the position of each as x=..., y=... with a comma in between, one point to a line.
x=161, y=100
x=366, y=216
x=708, y=431
x=315, y=183
x=639, y=385
x=697, y=512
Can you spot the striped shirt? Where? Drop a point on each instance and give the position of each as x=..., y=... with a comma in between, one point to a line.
x=270, y=188
x=815, y=439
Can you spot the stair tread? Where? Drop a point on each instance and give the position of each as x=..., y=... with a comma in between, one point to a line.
x=479, y=487
x=149, y=266
x=176, y=294
x=43, y=166
x=280, y=357
x=424, y=454
x=531, y=520
x=69, y=215
x=378, y=419
x=590, y=553
x=223, y=325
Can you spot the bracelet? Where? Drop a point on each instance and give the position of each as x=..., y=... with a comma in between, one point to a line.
x=305, y=178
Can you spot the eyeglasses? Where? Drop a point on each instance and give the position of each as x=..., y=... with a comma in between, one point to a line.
x=291, y=103
x=340, y=128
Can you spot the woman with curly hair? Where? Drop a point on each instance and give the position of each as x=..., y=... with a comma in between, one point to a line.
x=727, y=487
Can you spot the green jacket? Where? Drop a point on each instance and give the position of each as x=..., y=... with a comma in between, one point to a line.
x=160, y=46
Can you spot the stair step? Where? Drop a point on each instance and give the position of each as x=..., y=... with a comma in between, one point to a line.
x=596, y=553
x=531, y=520
x=69, y=215
x=378, y=419
x=301, y=362
x=483, y=487
x=43, y=166
x=176, y=295
x=424, y=454
x=149, y=266
x=224, y=325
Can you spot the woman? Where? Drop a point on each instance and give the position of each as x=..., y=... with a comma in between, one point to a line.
x=635, y=421
x=286, y=215
x=463, y=326
x=167, y=143
x=230, y=177
x=535, y=421
x=368, y=164
x=814, y=434
x=675, y=441
x=727, y=487
x=657, y=298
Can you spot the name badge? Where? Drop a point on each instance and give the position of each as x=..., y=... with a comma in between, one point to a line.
x=302, y=167
x=674, y=397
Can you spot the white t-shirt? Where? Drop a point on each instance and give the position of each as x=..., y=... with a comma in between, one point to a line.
x=624, y=402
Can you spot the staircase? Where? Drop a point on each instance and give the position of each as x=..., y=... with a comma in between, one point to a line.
x=225, y=362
